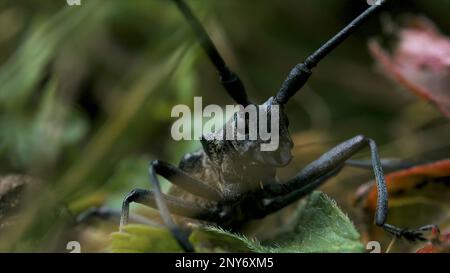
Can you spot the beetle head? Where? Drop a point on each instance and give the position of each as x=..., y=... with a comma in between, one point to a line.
x=257, y=134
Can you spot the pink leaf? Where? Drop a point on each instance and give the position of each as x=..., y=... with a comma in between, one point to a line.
x=420, y=62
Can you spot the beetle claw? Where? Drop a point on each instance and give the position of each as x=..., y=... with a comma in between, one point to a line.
x=411, y=234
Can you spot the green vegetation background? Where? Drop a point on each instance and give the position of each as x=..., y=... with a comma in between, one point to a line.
x=86, y=94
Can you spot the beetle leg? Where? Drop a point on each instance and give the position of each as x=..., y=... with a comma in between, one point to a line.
x=185, y=181
x=410, y=234
x=178, y=234
x=112, y=214
x=330, y=162
x=230, y=81
x=165, y=203
x=389, y=165
x=277, y=203
x=174, y=204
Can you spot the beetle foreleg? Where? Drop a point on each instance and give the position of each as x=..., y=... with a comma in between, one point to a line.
x=280, y=202
x=175, y=205
x=389, y=165
x=185, y=181
x=180, y=235
x=167, y=204
x=311, y=177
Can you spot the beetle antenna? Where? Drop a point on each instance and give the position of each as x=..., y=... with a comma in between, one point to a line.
x=300, y=74
x=229, y=80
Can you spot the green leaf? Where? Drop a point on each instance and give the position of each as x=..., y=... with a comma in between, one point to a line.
x=143, y=239
x=216, y=239
x=318, y=225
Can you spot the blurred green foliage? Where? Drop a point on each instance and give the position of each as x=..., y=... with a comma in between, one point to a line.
x=86, y=94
